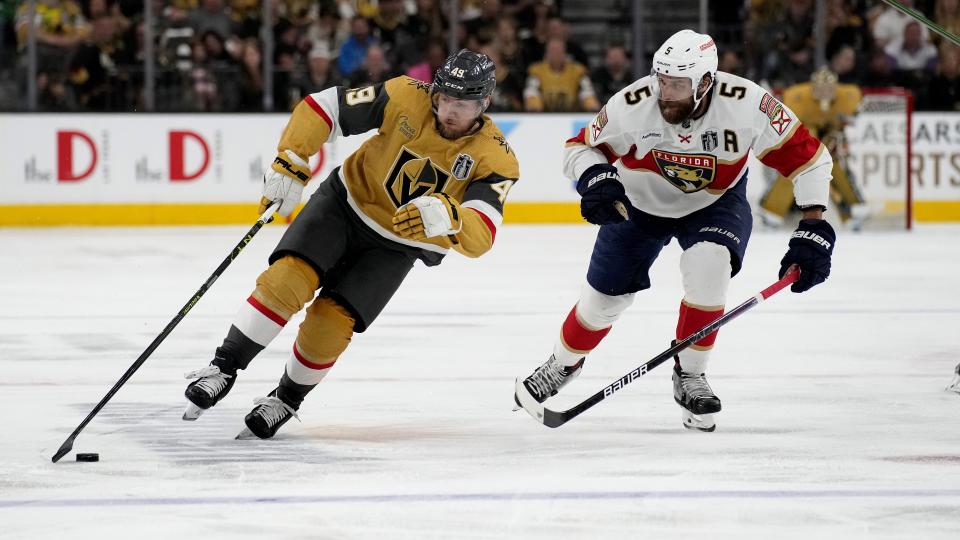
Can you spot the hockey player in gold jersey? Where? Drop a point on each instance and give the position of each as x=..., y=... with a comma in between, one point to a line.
x=434, y=177
x=825, y=107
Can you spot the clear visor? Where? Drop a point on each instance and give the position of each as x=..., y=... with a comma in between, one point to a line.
x=668, y=88
x=468, y=108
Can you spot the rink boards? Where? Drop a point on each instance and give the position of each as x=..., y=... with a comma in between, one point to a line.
x=167, y=169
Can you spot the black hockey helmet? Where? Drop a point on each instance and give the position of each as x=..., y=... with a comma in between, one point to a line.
x=465, y=75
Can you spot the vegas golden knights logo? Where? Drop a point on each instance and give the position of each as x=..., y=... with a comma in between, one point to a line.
x=413, y=176
x=687, y=172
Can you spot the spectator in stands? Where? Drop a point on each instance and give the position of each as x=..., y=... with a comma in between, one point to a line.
x=912, y=52
x=943, y=92
x=354, y=49
x=845, y=27
x=879, y=71
x=202, y=91
x=613, y=75
x=320, y=73
x=789, y=45
x=59, y=28
x=325, y=30
x=374, y=70
x=251, y=77
x=558, y=84
x=210, y=15
x=508, y=94
x=509, y=45
x=436, y=54
x=390, y=30
x=843, y=63
x=889, y=26
x=730, y=62
x=947, y=15
x=554, y=28
x=484, y=25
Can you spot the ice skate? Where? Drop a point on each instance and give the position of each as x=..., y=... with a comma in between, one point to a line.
x=268, y=414
x=954, y=385
x=211, y=385
x=698, y=401
x=548, y=379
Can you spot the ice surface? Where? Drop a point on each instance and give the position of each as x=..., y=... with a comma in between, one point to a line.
x=835, y=421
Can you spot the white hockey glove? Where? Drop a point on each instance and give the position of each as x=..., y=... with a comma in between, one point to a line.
x=427, y=217
x=284, y=182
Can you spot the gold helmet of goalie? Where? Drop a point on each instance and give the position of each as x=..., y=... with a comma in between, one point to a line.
x=824, y=87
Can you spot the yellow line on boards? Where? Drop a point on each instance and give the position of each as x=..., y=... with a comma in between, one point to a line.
x=243, y=213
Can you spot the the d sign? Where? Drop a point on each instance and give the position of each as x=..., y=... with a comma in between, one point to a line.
x=65, y=170
x=178, y=140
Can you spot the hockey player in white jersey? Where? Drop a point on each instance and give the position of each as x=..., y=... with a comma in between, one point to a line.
x=667, y=158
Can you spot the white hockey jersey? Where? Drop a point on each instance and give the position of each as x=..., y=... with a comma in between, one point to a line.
x=673, y=170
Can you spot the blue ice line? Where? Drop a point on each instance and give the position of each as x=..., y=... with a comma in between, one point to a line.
x=456, y=497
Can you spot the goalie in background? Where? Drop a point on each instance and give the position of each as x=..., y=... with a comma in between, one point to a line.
x=825, y=108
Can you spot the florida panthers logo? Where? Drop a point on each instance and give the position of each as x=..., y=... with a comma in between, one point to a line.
x=687, y=172
x=413, y=176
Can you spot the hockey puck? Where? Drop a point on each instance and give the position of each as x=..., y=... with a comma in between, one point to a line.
x=88, y=457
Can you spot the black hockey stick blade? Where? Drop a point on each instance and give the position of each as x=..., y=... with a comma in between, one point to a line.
x=265, y=218
x=552, y=419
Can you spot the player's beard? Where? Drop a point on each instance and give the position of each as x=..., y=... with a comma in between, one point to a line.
x=675, y=112
x=451, y=132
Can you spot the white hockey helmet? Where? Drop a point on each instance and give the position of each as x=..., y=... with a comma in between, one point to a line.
x=685, y=54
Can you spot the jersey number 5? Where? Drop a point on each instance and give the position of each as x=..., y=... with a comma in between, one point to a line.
x=356, y=96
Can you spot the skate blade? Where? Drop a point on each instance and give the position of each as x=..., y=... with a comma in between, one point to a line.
x=699, y=422
x=516, y=403
x=192, y=412
x=245, y=435
x=954, y=385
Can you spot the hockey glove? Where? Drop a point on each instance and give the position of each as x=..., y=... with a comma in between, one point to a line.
x=602, y=197
x=427, y=217
x=284, y=182
x=810, y=248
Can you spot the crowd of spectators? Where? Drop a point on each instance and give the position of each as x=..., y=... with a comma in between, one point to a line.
x=209, y=53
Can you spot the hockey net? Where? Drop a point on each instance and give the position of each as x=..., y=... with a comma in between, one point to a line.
x=879, y=156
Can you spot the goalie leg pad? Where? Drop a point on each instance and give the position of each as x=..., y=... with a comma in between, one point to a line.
x=324, y=335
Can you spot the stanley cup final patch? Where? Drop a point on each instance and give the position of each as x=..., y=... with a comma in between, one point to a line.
x=462, y=166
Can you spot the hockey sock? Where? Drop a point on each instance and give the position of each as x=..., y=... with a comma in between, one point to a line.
x=577, y=339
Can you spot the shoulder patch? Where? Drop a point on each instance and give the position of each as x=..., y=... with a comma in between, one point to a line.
x=420, y=85
x=779, y=119
x=503, y=143
x=599, y=122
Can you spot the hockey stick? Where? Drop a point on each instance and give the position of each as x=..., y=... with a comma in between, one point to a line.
x=264, y=218
x=554, y=419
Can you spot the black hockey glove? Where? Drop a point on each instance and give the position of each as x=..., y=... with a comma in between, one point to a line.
x=602, y=197
x=810, y=248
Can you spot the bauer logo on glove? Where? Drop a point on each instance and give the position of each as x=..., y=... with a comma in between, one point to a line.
x=428, y=217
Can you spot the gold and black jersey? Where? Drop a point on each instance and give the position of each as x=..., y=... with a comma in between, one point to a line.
x=823, y=123
x=408, y=158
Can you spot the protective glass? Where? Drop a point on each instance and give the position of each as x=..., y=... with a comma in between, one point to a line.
x=668, y=88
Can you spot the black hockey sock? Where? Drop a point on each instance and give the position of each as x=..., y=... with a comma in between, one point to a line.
x=293, y=393
x=237, y=350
